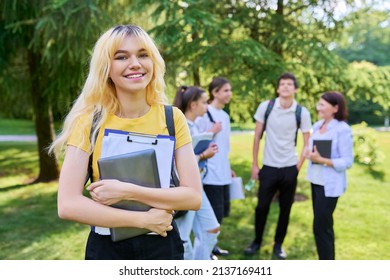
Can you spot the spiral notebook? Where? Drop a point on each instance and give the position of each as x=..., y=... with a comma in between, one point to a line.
x=139, y=168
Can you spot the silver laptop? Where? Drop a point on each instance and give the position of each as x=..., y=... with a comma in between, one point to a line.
x=138, y=168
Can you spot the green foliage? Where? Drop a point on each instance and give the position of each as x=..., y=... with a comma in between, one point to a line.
x=60, y=35
x=366, y=147
x=366, y=37
x=15, y=101
x=367, y=90
x=251, y=43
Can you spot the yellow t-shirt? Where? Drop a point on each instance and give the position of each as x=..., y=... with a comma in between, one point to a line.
x=153, y=122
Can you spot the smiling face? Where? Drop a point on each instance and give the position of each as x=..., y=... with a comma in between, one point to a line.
x=326, y=110
x=131, y=67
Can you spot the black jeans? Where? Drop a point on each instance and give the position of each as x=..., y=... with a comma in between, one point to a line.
x=143, y=247
x=271, y=180
x=323, y=208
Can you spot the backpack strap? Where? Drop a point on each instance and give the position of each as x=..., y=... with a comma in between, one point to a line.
x=93, y=126
x=270, y=105
x=174, y=178
x=171, y=129
x=169, y=120
x=298, y=113
x=210, y=116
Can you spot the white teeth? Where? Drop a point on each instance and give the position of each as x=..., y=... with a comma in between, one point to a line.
x=135, y=76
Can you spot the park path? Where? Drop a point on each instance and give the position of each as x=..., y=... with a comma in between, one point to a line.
x=18, y=138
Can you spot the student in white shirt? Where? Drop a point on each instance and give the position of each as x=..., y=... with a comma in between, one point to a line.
x=280, y=162
x=219, y=174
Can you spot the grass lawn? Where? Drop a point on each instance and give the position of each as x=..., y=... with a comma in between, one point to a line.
x=30, y=228
x=362, y=220
x=16, y=127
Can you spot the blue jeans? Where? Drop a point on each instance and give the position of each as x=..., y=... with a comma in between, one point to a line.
x=200, y=222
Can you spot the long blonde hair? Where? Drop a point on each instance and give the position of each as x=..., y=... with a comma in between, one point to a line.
x=98, y=96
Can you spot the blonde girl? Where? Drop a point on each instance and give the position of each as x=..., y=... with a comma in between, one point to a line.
x=125, y=90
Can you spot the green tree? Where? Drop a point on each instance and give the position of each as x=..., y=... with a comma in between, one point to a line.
x=297, y=32
x=46, y=46
x=367, y=91
x=366, y=37
x=251, y=43
x=49, y=42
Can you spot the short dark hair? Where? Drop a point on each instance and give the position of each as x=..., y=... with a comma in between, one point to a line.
x=288, y=76
x=336, y=98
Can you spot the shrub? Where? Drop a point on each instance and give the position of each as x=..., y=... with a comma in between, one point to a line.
x=366, y=149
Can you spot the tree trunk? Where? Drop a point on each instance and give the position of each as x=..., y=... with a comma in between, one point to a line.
x=48, y=165
x=195, y=74
x=279, y=26
x=196, y=77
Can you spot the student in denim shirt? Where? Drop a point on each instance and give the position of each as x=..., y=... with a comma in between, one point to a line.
x=328, y=175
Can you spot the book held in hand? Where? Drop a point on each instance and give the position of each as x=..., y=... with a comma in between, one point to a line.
x=201, y=142
x=324, y=147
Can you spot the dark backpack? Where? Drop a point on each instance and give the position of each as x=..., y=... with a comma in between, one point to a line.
x=171, y=129
x=270, y=105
